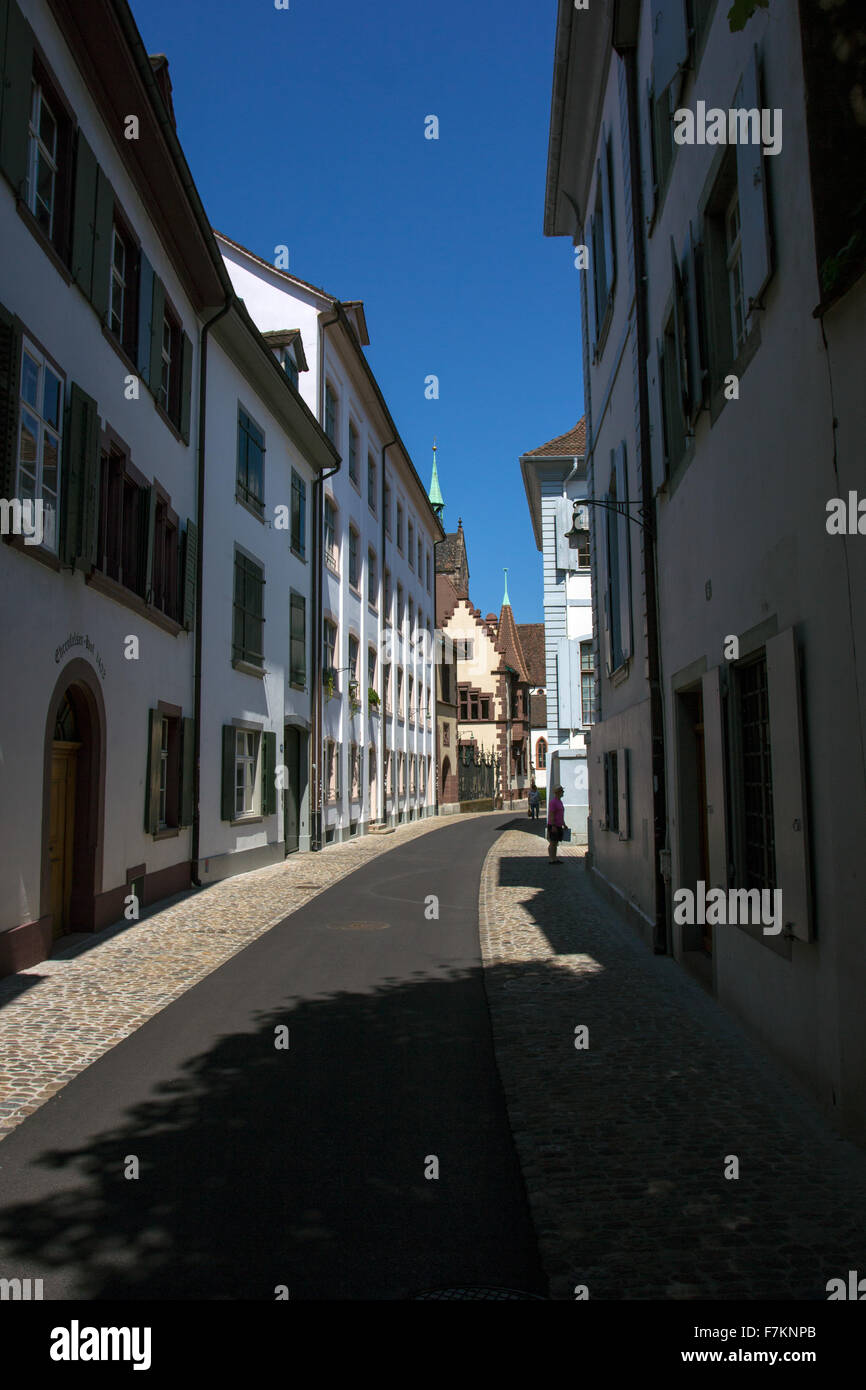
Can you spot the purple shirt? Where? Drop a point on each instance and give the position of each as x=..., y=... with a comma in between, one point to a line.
x=555, y=812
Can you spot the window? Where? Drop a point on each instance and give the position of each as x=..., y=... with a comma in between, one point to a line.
x=331, y=550
x=402, y=774
x=371, y=668
x=168, y=783
x=330, y=764
x=42, y=167
x=411, y=700
x=663, y=147
x=541, y=754
x=165, y=573
x=587, y=682
x=338, y=771
x=299, y=515
x=617, y=586
x=399, y=526
x=372, y=578
x=602, y=242
x=413, y=776
x=427, y=559
x=122, y=291
x=249, y=619
x=411, y=618
x=123, y=514
x=353, y=659
x=251, y=461
x=353, y=454
x=40, y=434
x=611, y=791
x=734, y=266
x=354, y=569
x=387, y=506
x=399, y=618
x=330, y=413
x=169, y=392
x=286, y=359
x=371, y=482
x=354, y=770
x=464, y=648
x=297, y=640
x=755, y=775
x=329, y=647
x=400, y=710
x=420, y=557
x=485, y=707
x=411, y=545
x=387, y=597
x=386, y=674
x=463, y=702
x=387, y=772
x=246, y=763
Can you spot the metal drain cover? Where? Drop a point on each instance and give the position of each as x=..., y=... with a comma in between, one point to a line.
x=359, y=926
x=462, y=1292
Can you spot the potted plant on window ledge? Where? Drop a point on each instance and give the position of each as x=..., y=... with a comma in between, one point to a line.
x=373, y=700
x=329, y=681
x=354, y=698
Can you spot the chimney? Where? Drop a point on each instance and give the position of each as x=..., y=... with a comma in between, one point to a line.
x=159, y=64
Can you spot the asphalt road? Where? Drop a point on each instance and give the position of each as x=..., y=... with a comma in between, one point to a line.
x=302, y=1166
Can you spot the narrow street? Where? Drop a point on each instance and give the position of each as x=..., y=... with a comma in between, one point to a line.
x=304, y=1166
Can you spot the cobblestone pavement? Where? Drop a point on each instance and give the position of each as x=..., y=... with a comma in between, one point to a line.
x=61, y=1014
x=623, y=1145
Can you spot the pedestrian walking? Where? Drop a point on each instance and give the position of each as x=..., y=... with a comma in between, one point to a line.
x=534, y=800
x=555, y=824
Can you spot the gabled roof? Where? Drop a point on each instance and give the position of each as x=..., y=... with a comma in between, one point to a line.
x=532, y=644
x=286, y=337
x=564, y=446
x=508, y=642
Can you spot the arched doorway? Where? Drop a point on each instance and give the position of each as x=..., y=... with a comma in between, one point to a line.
x=72, y=803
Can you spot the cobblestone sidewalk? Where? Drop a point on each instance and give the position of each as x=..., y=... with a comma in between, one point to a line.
x=60, y=1015
x=623, y=1145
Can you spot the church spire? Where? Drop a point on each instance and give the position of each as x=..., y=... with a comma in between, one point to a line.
x=437, y=501
x=506, y=599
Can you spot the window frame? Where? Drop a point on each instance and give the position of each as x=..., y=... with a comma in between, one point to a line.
x=45, y=366
x=249, y=433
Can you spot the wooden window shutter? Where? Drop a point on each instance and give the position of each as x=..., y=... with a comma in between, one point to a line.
x=145, y=316
x=788, y=762
x=102, y=225
x=148, y=536
x=682, y=381
x=227, y=811
x=622, y=777
x=692, y=284
x=151, y=781
x=10, y=367
x=190, y=570
x=670, y=39
x=714, y=764
x=606, y=770
x=185, y=389
x=187, y=775
x=609, y=230
x=83, y=215
x=752, y=190
x=17, y=64
x=157, y=317
x=587, y=280
x=269, y=765
x=624, y=548
x=563, y=684
x=80, y=505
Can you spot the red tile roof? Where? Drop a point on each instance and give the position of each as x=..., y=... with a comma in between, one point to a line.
x=565, y=445
x=532, y=643
x=508, y=642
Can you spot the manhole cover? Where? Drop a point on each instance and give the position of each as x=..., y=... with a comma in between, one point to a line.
x=296, y=886
x=359, y=926
x=471, y=1291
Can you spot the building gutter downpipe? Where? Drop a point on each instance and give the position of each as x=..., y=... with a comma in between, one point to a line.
x=199, y=579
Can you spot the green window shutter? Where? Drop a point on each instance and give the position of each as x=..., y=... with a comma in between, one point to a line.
x=148, y=536
x=187, y=777
x=10, y=366
x=228, y=778
x=17, y=66
x=145, y=312
x=185, y=389
x=102, y=225
x=269, y=765
x=83, y=215
x=190, y=561
x=752, y=189
x=157, y=315
x=80, y=505
x=151, y=781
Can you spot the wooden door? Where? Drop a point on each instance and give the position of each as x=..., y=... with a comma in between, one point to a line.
x=61, y=833
x=292, y=791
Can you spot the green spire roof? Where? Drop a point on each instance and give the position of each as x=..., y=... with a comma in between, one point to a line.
x=437, y=501
x=506, y=599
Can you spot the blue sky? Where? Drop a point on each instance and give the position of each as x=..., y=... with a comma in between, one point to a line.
x=305, y=127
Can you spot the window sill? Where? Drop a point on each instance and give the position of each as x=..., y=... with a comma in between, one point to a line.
x=47, y=245
x=248, y=507
x=298, y=554
x=718, y=400
x=298, y=685
x=251, y=819
x=601, y=340
x=248, y=669
x=353, y=589
x=103, y=584
x=332, y=568
x=621, y=674
x=121, y=351
x=170, y=832
x=38, y=552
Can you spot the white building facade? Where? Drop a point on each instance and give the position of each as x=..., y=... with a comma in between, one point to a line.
x=554, y=477
x=373, y=734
